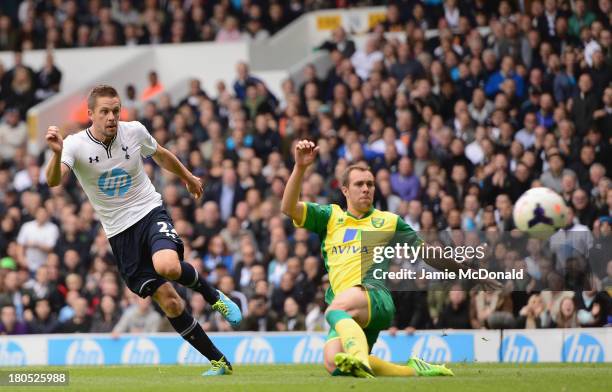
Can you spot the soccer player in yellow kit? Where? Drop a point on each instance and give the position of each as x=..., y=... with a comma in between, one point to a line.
x=359, y=305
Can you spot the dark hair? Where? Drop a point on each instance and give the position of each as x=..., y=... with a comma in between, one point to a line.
x=259, y=297
x=102, y=90
x=347, y=172
x=39, y=300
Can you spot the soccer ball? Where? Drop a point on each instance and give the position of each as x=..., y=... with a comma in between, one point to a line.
x=539, y=212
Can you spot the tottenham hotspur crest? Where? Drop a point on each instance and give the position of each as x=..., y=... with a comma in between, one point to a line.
x=378, y=222
x=125, y=150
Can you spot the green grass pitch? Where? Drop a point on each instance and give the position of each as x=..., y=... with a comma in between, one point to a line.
x=297, y=378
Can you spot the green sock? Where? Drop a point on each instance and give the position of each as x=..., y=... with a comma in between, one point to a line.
x=333, y=316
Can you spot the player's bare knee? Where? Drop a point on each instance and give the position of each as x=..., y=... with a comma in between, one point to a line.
x=350, y=300
x=328, y=360
x=172, y=272
x=172, y=306
x=331, y=348
x=344, y=306
x=169, y=300
x=339, y=305
x=167, y=264
x=330, y=366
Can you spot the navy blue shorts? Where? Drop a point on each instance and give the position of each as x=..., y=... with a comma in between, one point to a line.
x=134, y=249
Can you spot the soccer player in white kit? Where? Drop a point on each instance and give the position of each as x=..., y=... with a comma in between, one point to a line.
x=106, y=159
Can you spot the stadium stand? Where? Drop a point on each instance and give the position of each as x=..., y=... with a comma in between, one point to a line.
x=35, y=24
x=456, y=127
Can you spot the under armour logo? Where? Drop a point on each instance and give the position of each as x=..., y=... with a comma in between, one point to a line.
x=125, y=149
x=91, y=160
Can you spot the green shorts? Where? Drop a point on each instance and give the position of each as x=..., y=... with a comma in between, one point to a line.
x=381, y=312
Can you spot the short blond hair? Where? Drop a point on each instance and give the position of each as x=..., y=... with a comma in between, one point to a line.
x=102, y=90
x=344, y=179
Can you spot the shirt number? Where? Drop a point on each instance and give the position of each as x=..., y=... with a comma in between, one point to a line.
x=163, y=228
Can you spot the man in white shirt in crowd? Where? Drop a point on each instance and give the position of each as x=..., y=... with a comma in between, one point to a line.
x=37, y=239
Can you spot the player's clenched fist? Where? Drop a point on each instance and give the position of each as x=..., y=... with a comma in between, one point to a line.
x=54, y=139
x=305, y=153
x=195, y=186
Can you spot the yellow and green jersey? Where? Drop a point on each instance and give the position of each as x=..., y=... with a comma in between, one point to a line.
x=347, y=254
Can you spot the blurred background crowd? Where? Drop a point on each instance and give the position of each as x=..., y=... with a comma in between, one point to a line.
x=456, y=126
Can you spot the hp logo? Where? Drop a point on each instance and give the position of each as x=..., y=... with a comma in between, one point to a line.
x=381, y=350
x=432, y=349
x=84, y=352
x=11, y=354
x=115, y=182
x=582, y=347
x=254, y=350
x=189, y=355
x=519, y=348
x=140, y=351
x=309, y=350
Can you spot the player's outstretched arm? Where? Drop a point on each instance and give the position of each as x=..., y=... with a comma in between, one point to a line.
x=55, y=170
x=305, y=155
x=170, y=162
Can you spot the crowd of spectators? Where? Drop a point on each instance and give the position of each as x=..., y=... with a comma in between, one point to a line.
x=21, y=88
x=36, y=24
x=455, y=127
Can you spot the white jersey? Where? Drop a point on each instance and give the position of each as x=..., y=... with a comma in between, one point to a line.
x=113, y=177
